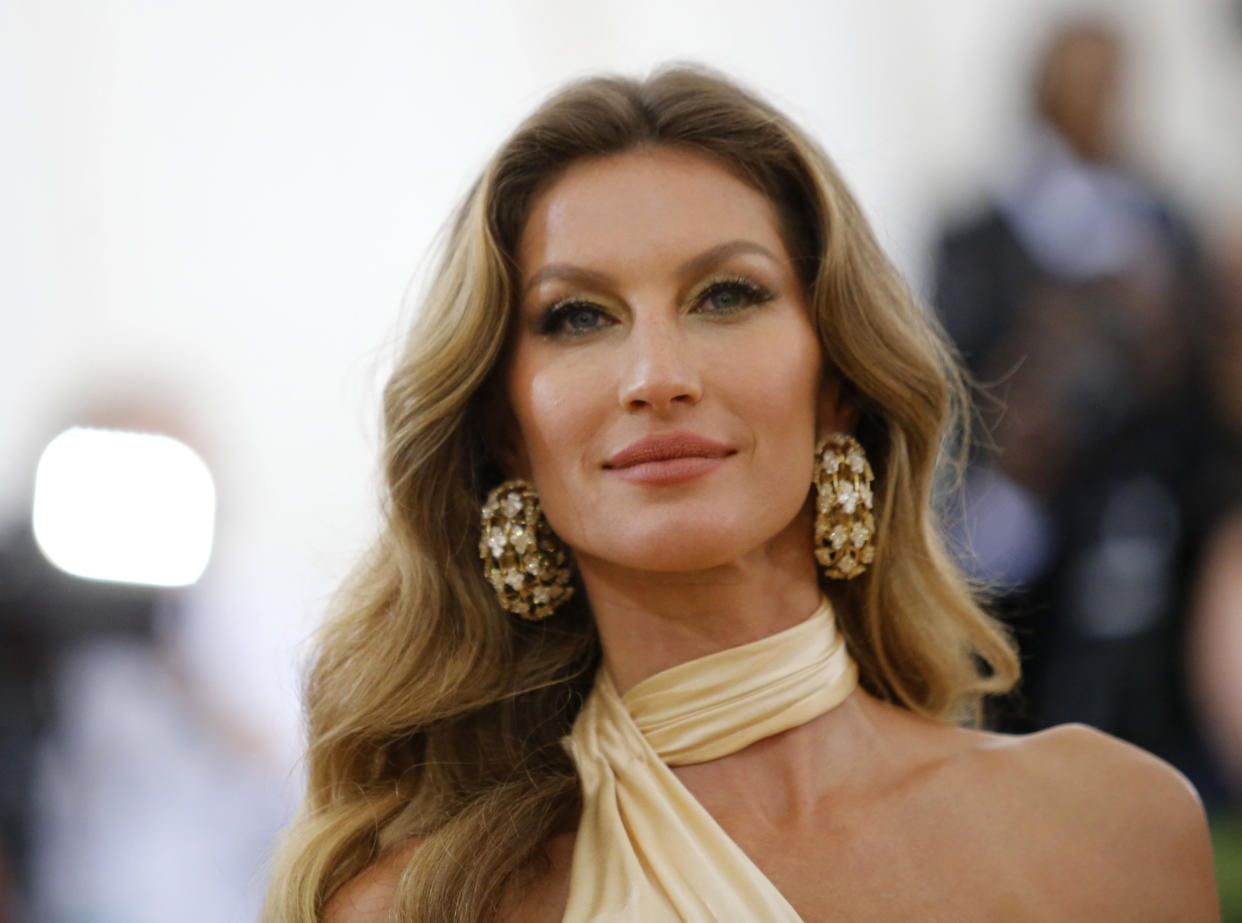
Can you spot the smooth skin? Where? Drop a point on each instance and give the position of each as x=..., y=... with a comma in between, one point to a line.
x=658, y=297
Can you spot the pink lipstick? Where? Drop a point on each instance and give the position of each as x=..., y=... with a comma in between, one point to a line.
x=669, y=459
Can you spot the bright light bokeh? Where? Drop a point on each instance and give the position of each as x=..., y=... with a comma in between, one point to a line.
x=124, y=507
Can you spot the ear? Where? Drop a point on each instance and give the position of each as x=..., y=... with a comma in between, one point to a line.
x=837, y=409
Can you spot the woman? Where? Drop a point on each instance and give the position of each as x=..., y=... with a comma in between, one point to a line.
x=691, y=687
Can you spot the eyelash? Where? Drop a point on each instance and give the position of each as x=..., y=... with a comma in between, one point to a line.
x=554, y=319
x=755, y=293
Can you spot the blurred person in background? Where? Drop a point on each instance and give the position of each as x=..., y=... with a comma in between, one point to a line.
x=140, y=782
x=46, y=613
x=1081, y=303
x=1215, y=654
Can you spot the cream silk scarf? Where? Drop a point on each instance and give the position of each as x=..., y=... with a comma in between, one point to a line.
x=646, y=850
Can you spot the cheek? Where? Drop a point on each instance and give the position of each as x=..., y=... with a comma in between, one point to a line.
x=781, y=374
x=560, y=421
x=555, y=412
x=781, y=388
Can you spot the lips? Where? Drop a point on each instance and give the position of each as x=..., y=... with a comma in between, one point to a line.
x=667, y=448
x=668, y=459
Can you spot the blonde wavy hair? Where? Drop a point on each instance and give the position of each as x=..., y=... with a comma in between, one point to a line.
x=434, y=714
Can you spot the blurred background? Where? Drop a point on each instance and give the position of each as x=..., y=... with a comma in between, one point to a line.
x=210, y=216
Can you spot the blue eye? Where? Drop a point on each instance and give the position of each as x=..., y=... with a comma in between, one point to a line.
x=582, y=318
x=726, y=296
x=726, y=299
x=572, y=318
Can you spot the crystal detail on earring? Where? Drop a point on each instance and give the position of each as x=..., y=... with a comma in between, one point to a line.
x=511, y=505
x=525, y=562
x=521, y=539
x=496, y=542
x=844, y=521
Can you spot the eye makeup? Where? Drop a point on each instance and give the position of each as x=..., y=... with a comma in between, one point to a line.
x=721, y=294
x=571, y=316
x=729, y=293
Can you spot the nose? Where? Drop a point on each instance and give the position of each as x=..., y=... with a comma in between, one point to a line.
x=661, y=372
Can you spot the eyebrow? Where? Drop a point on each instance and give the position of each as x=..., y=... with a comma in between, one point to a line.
x=568, y=272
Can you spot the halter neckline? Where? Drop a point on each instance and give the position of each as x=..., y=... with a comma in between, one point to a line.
x=646, y=849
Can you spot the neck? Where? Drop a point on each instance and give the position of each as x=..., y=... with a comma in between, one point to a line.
x=650, y=621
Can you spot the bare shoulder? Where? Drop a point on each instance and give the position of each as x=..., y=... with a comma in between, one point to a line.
x=368, y=897
x=1109, y=818
x=1090, y=769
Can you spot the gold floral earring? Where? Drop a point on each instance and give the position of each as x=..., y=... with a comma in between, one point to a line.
x=523, y=559
x=844, y=522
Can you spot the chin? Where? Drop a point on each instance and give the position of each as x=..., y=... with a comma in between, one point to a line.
x=683, y=544
x=679, y=558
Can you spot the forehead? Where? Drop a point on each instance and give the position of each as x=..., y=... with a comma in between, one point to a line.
x=644, y=204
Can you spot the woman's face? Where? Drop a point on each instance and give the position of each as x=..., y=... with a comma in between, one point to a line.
x=664, y=373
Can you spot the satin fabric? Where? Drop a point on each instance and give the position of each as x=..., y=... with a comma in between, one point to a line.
x=646, y=850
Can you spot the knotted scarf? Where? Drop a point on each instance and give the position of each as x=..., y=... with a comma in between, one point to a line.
x=646, y=850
